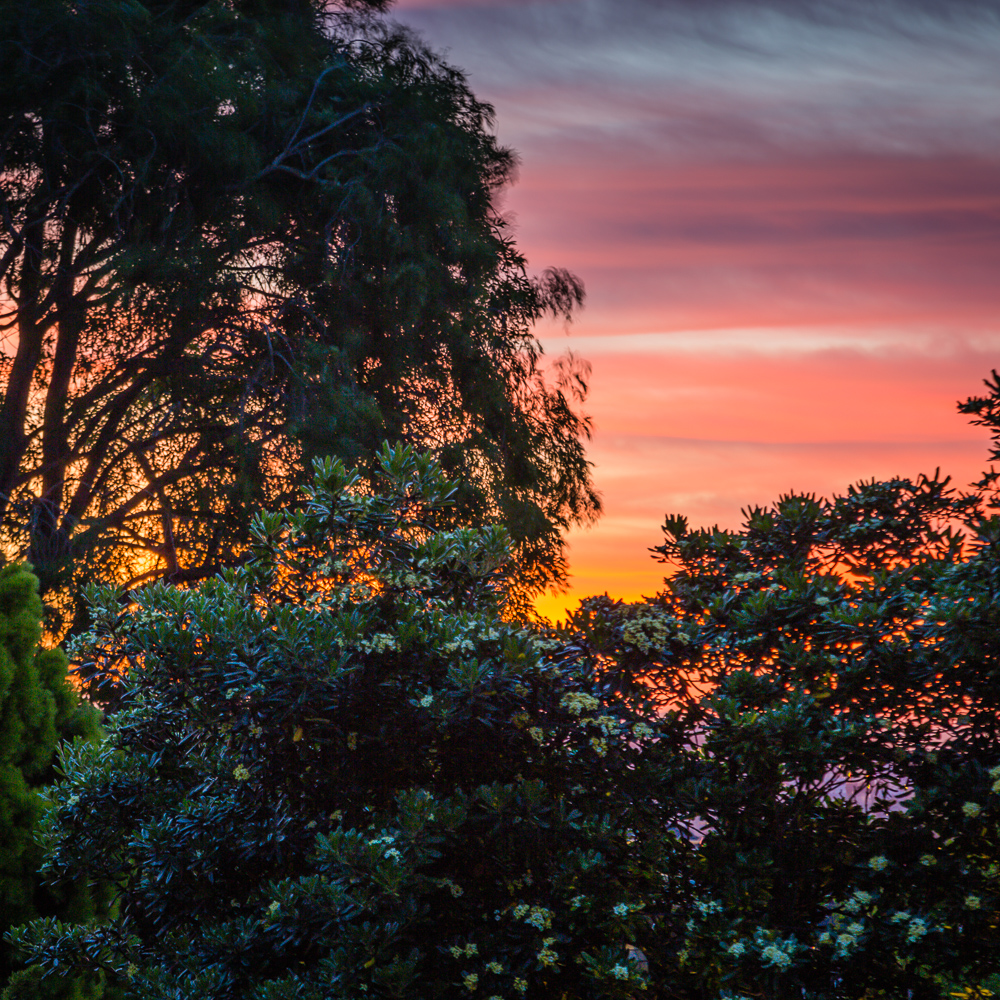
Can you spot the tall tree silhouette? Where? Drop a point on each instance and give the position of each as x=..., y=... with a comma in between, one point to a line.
x=237, y=234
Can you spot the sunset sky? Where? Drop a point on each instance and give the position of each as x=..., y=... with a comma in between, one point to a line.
x=787, y=218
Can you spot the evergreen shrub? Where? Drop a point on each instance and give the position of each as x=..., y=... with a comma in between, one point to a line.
x=340, y=771
x=38, y=709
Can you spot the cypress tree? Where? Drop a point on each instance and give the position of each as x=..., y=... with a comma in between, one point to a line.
x=38, y=709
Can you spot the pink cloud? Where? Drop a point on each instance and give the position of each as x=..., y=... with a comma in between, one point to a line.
x=758, y=243
x=789, y=229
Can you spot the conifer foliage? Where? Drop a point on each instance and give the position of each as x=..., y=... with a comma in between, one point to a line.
x=340, y=771
x=38, y=708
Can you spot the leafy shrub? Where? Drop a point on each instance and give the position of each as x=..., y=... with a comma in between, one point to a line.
x=340, y=771
x=827, y=752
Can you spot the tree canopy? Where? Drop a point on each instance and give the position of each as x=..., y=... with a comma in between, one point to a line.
x=343, y=770
x=339, y=771
x=234, y=235
x=827, y=743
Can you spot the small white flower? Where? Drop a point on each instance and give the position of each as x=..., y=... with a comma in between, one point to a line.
x=547, y=957
x=737, y=948
x=972, y=901
x=773, y=955
x=620, y=972
x=427, y=701
x=878, y=863
x=971, y=809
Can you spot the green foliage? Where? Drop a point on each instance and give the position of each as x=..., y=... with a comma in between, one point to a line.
x=240, y=235
x=341, y=771
x=38, y=708
x=828, y=752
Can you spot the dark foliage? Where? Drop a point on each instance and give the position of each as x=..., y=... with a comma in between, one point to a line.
x=234, y=235
x=340, y=772
x=828, y=752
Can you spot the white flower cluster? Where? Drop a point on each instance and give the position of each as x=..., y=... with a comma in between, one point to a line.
x=647, y=631
x=606, y=723
x=538, y=917
x=856, y=902
x=460, y=645
x=547, y=956
x=381, y=642
x=577, y=702
x=776, y=952
x=773, y=954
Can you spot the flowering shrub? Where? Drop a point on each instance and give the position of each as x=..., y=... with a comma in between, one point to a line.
x=828, y=744
x=340, y=772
